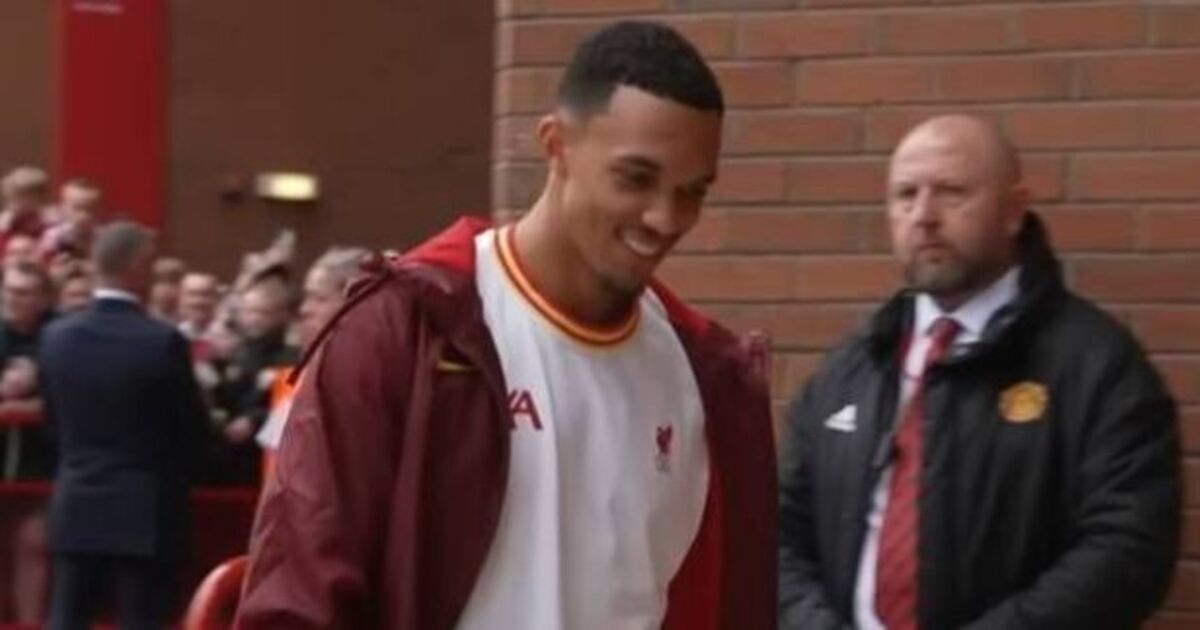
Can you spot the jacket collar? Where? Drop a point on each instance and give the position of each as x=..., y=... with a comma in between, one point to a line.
x=1039, y=284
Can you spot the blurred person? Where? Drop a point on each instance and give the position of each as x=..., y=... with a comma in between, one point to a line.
x=24, y=192
x=264, y=314
x=324, y=293
x=19, y=248
x=991, y=450
x=198, y=297
x=325, y=288
x=75, y=290
x=517, y=427
x=73, y=226
x=164, y=292
x=125, y=412
x=25, y=309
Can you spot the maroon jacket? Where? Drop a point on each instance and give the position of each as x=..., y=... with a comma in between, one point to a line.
x=391, y=474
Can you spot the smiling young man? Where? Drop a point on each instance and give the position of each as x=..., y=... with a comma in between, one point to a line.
x=991, y=451
x=517, y=427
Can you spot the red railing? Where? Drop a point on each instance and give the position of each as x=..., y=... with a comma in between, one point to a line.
x=221, y=519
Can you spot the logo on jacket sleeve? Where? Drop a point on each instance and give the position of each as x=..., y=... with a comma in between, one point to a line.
x=845, y=420
x=662, y=439
x=1024, y=402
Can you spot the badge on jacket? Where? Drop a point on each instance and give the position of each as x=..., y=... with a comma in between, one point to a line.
x=1024, y=402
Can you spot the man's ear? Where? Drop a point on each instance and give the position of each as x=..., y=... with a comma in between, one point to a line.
x=1016, y=203
x=552, y=132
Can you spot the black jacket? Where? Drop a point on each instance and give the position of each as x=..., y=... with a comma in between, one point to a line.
x=123, y=406
x=1054, y=512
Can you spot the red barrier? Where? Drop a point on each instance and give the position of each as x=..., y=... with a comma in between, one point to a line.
x=221, y=520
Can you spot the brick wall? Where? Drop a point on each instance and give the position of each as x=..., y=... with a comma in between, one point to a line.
x=1102, y=97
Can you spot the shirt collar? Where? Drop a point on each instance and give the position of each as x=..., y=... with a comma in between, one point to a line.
x=975, y=313
x=106, y=293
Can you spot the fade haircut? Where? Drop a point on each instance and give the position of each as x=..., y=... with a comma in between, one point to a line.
x=644, y=55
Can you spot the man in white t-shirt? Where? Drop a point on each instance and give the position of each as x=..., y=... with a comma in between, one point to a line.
x=517, y=427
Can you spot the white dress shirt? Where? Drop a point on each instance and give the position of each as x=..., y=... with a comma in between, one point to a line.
x=972, y=318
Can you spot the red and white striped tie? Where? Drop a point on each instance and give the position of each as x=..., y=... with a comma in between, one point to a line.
x=896, y=573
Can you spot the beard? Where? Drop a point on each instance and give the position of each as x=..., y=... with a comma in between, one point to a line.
x=947, y=276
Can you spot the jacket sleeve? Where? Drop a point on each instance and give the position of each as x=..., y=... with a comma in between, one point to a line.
x=1127, y=534
x=191, y=416
x=317, y=544
x=803, y=602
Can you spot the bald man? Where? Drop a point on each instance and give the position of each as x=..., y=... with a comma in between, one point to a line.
x=991, y=450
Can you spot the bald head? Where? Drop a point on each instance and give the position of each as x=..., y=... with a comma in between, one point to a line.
x=977, y=139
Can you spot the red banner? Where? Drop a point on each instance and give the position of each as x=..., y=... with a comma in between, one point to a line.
x=111, y=101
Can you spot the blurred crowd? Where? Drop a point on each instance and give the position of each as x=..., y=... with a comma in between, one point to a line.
x=245, y=332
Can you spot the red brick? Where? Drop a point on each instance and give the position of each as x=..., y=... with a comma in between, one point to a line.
x=997, y=79
x=1173, y=126
x=1082, y=26
x=752, y=278
x=856, y=3
x=946, y=30
x=1137, y=176
x=1091, y=229
x=1182, y=374
x=750, y=181
x=1074, y=127
x=516, y=139
x=539, y=41
x=739, y=5
x=1139, y=279
x=793, y=132
x=553, y=41
x=877, y=237
x=790, y=370
x=526, y=90
x=1185, y=591
x=865, y=81
x=772, y=230
x=1191, y=484
x=598, y=7
x=1173, y=620
x=1175, y=24
x=1045, y=175
x=1173, y=329
x=713, y=36
x=804, y=34
x=837, y=180
x=846, y=278
x=756, y=84
x=1151, y=74
x=885, y=127
x=730, y=278
x=1171, y=228
x=516, y=186
x=793, y=326
x=1191, y=533
x=1189, y=428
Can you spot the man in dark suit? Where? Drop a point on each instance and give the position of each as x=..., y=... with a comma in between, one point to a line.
x=122, y=403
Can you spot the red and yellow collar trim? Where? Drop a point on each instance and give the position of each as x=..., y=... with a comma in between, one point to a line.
x=510, y=262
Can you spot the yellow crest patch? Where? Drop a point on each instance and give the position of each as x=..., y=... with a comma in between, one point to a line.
x=1024, y=402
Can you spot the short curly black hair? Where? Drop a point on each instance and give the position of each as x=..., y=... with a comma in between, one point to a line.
x=645, y=55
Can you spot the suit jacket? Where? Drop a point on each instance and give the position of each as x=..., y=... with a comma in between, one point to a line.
x=122, y=404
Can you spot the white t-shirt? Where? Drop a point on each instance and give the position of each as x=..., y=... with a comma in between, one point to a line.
x=609, y=468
